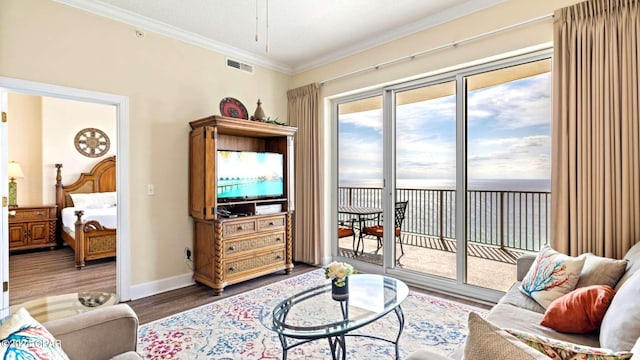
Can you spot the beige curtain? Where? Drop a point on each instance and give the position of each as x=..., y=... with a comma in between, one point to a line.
x=303, y=110
x=595, y=180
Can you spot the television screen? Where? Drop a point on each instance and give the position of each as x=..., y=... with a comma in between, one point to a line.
x=249, y=175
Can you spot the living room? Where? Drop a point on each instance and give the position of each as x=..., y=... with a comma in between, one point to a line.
x=168, y=82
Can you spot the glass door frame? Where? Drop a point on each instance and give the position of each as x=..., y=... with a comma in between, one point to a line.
x=459, y=285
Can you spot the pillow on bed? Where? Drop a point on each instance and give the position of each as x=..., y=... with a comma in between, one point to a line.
x=94, y=200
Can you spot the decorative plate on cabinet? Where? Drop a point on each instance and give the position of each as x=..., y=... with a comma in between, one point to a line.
x=231, y=107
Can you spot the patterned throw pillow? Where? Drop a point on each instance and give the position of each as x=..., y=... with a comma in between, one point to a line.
x=551, y=275
x=563, y=350
x=22, y=337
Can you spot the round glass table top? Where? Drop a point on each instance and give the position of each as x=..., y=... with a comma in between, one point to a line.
x=313, y=313
x=60, y=306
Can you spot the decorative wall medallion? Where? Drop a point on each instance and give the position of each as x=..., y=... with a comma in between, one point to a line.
x=92, y=142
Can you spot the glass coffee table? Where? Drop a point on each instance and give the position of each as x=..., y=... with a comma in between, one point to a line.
x=312, y=314
x=60, y=306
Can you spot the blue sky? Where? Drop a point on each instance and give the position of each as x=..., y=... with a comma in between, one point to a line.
x=509, y=128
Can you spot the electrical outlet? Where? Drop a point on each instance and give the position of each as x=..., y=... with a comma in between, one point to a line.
x=151, y=189
x=187, y=253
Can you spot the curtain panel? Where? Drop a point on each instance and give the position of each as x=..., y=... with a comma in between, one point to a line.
x=308, y=217
x=595, y=153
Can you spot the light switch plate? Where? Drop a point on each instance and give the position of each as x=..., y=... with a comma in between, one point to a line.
x=150, y=189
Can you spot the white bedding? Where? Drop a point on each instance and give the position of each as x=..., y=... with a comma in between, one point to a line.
x=107, y=217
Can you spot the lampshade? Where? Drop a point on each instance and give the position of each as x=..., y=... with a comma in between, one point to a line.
x=14, y=171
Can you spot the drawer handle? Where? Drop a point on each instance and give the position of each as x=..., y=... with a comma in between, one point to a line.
x=279, y=257
x=271, y=223
x=232, y=248
x=40, y=213
x=233, y=268
x=240, y=228
x=278, y=239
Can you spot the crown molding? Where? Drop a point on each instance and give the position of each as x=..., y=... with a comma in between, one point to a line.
x=442, y=17
x=143, y=22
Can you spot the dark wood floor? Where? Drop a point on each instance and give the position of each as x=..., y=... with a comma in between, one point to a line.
x=36, y=274
x=175, y=301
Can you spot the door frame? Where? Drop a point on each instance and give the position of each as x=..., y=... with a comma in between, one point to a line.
x=123, y=262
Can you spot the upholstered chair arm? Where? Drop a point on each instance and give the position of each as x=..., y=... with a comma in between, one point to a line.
x=97, y=334
x=523, y=263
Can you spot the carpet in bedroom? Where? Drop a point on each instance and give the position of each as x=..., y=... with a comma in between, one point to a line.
x=231, y=329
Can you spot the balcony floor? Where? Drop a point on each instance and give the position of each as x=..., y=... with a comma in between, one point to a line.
x=487, y=266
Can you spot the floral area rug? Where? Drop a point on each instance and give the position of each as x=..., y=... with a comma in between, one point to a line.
x=231, y=328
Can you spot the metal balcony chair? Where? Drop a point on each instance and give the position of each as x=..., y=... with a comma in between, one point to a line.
x=378, y=230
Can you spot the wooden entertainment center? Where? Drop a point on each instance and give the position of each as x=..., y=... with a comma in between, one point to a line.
x=232, y=243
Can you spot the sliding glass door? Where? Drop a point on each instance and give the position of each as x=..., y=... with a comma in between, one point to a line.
x=360, y=181
x=445, y=180
x=425, y=162
x=508, y=169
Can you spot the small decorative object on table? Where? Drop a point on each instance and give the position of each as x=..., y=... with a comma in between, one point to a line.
x=339, y=273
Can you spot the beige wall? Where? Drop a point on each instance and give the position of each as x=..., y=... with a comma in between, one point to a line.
x=502, y=15
x=61, y=121
x=25, y=145
x=169, y=83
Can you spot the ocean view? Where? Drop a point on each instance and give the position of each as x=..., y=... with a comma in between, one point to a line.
x=449, y=184
x=505, y=212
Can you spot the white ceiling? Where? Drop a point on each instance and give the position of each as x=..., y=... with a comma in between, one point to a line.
x=301, y=35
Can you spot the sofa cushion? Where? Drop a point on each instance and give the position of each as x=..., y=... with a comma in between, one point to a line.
x=633, y=265
x=551, y=275
x=601, y=271
x=22, y=337
x=487, y=341
x=512, y=317
x=580, y=311
x=517, y=298
x=621, y=324
x=563, y=350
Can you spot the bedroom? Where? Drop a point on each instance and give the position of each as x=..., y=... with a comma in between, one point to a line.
x=46, y=133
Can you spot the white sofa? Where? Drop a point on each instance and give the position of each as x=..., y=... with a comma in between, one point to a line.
x=517, y=311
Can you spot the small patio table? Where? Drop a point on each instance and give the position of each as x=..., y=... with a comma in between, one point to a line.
x=362, y=214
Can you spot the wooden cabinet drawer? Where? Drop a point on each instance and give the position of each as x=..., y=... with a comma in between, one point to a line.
x=255, y=243
x=270, y=223
x=238, y=228
x=236, y=267
x=30, y=214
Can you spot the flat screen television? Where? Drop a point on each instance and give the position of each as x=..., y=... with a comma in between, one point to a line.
x=248, y=175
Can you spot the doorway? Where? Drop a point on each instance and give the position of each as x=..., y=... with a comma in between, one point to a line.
x=8, y=85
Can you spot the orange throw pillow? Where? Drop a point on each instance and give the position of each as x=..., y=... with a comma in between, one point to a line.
x=580, y=311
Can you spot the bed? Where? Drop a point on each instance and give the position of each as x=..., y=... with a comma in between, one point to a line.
x=87, y=212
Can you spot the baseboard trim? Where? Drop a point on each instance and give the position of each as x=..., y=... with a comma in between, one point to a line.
x=159, y=286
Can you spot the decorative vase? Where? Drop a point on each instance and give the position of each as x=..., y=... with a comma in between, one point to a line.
x=259, y=114
x=340, y=293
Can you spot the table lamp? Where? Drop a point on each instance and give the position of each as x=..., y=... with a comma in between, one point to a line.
x=14, y=172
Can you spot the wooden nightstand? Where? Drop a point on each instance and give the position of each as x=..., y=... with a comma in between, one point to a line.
x=32, y=227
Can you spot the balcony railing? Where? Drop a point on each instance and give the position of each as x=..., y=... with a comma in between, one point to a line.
x=508, y=219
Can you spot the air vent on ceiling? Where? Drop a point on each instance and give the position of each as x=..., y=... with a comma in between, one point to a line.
x=239, y=65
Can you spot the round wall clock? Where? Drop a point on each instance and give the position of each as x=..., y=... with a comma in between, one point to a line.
x=92, y=142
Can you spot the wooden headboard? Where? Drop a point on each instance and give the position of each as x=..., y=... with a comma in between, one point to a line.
x=102, y=178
